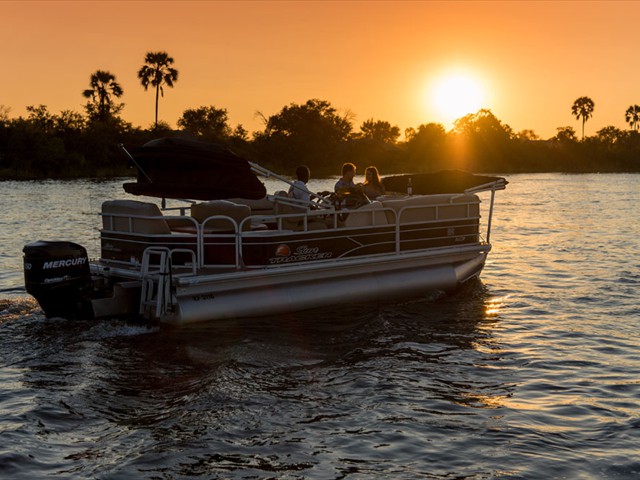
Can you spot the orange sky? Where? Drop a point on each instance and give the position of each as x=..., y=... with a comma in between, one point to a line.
x=374, y=59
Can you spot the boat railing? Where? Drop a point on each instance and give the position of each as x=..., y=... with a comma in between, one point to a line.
x=223, y=233
x=124, y=235
x=157, y=224
x=406, y=218
x=157, y=272
x=439, y=213
x=218, y=242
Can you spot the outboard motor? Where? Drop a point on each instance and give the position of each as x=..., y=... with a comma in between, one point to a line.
x=57, y=275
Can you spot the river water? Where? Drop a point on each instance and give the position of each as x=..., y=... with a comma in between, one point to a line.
x=532, y=372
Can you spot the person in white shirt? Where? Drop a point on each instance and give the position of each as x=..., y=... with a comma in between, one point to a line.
x=299, y=188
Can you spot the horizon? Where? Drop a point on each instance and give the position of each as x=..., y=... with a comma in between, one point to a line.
x=407, y=63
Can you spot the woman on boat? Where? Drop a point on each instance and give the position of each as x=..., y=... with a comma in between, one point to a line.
x=372, y=185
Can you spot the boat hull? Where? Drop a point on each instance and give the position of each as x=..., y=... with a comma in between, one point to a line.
x=258, y=293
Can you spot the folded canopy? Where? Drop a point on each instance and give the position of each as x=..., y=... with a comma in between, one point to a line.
x=182, y=168
x=445, y=181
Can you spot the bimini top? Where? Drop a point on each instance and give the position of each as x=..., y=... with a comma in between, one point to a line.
x=445, y=181
x=181, y=168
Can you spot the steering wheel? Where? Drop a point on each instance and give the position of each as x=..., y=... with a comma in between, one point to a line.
x=322, y=200
x=350, y=199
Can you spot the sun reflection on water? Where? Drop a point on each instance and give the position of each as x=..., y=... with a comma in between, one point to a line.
x=493, y=306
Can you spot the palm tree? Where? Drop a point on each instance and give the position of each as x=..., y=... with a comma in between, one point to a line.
x=157, y=72
x=632, y=116
x=582, y=107
x=103, y=87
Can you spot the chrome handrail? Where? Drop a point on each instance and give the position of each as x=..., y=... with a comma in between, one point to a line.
x=234, y=236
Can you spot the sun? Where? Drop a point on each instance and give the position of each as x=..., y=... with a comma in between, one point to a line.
x=454, y=95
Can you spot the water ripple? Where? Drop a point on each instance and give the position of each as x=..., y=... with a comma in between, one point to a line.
x=531, y=373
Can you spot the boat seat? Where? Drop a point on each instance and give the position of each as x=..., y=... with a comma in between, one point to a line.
x=370, y=214
x=202, y=211
x=314, y=222
x=263, y=206
x=116, y=213
x=435, y=207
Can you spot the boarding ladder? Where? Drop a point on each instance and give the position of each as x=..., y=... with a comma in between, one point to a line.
x=157, y=295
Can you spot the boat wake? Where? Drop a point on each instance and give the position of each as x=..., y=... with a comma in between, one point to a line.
x=117, y=329
x=17, y=308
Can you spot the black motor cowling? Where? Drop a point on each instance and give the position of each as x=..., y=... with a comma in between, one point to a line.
x=57, y=275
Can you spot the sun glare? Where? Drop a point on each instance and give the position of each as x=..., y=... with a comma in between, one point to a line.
x=455, y=95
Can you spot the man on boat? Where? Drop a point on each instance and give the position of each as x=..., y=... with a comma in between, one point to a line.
x=299, y=189
x=345, y=184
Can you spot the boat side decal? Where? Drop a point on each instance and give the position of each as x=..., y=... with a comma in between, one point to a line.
x=303, y=253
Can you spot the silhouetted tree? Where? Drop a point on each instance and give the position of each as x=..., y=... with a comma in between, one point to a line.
x=31, y=148
x=632, y=116
x=582, y=108
x=430, y=132
x=527, y=135
x=375, y=144
x=609, y=136
x=409, y=133
x=4, y=113
x=157, y=71
x=70, y=127
x=425, y=147
x=41, y=118
x=379, y=130
x=484, y=123
x=483, y=142
x=70, y=121
x=103, y=87
x=565, y=135
x=240, y=133
x=307, y=134
x=208, y=122
x=295, y=119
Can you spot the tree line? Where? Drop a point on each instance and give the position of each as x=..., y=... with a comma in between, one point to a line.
x=72, y=144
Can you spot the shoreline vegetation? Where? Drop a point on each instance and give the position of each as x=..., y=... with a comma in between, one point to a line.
x=69, y=145
x=87, y=145
x=72, y=145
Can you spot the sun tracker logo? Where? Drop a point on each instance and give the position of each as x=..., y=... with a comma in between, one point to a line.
x=303, y=253
x=283, y=251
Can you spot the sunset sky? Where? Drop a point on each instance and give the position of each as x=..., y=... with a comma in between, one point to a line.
x=525, y=61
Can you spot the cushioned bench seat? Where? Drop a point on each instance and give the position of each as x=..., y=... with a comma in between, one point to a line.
x=117, y=216
x=120, y=216
x=371, y=214
x=263, y=206
x=202, y=211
